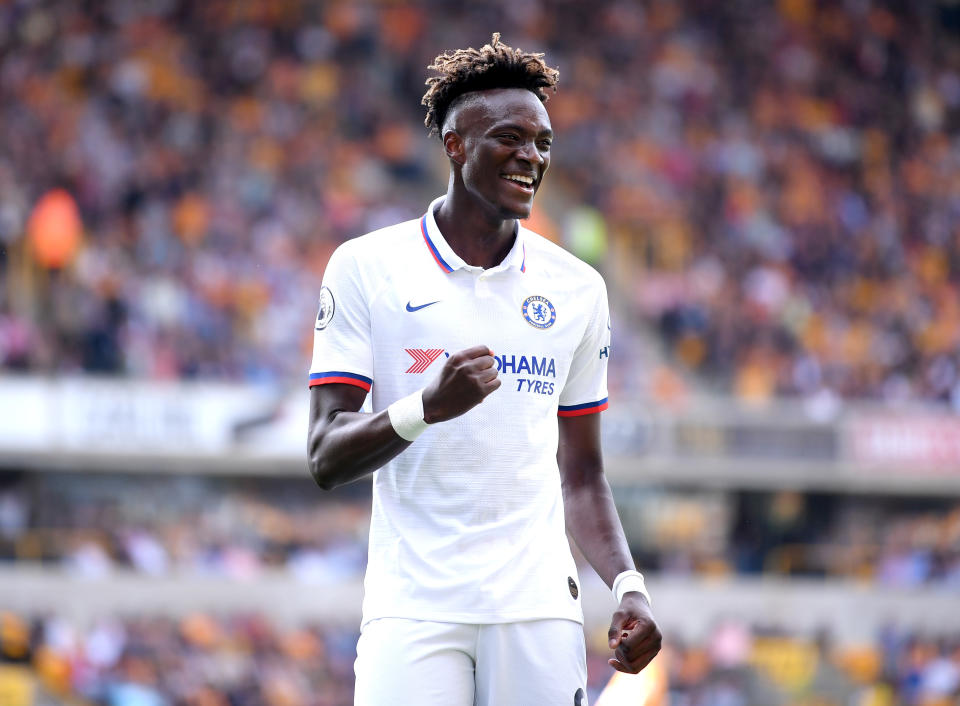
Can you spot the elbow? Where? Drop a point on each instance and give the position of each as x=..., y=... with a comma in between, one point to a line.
x=319, y=477
x=324, y=483
x=322, y=476
x=321, y=470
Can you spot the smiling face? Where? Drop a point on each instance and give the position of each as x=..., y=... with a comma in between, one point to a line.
x=504, y=149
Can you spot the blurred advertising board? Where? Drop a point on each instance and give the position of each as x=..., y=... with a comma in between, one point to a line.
x=93, y=416
x=122, y=424
x=920, y=442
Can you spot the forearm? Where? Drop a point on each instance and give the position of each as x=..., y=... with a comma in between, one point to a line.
x=593, y=523
x=346, y=445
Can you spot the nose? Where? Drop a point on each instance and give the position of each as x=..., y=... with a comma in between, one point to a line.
x=529, y=152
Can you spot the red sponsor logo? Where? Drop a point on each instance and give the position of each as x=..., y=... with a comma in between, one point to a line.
x=422, y=358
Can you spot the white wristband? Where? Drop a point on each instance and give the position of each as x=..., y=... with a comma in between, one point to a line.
x=630, y=581
x=406, y=416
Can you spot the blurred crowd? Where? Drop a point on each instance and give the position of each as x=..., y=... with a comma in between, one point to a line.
x=739, y=665
x=892, y=542
x=217, y=153
x=199, y=660
x=205, y=660
x=795, y=178
x=93, y=526
x=774, y=186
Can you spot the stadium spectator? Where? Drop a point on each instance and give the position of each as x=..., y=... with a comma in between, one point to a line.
x=157, y=527
x=205, y=660
x=781, y=206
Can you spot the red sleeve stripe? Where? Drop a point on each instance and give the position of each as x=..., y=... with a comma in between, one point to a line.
x=332, y=376
x=578, y=410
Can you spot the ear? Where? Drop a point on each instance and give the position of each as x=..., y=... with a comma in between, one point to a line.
x=454, y=147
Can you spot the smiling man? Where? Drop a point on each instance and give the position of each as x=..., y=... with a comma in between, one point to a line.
x=484, y=349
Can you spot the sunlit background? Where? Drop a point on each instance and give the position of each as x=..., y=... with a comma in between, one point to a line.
x=772, y=190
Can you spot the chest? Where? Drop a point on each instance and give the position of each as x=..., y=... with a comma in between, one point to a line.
x=532, y=324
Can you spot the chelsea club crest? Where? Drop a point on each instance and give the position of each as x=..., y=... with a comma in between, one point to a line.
x=539, y=312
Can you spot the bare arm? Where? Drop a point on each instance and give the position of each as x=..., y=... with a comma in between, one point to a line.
x=592, y=518
x=345, y=444
x=593, y=523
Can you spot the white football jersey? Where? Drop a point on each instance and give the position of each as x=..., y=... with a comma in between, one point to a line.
x=468, y=522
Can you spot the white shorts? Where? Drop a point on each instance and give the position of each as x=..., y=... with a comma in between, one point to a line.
x=422, y=663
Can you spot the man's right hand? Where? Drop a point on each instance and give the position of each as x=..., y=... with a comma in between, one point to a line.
x=467, y=378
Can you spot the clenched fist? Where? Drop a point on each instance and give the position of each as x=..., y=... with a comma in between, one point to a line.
x=634, y=635
x=466, y=379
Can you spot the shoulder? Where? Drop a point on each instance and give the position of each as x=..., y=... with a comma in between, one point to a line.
x=551, y=260
x=379, y=248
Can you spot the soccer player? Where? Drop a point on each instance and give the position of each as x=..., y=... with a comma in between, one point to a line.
x=484, y=349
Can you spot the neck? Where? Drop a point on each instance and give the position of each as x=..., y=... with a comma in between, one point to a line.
x=477, y=236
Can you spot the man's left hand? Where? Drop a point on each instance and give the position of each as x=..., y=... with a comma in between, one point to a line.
x=634, y=635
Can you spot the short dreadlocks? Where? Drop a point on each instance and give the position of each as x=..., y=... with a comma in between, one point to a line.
x=495, y=65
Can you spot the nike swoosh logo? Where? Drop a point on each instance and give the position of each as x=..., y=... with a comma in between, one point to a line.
x=422, y=306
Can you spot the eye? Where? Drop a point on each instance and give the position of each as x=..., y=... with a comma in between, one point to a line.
x=545, y=144
x=509, y=137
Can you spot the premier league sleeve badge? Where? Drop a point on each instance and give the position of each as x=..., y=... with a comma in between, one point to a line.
x=327, y=307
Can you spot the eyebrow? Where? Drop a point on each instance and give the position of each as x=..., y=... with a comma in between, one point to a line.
x=548, y=132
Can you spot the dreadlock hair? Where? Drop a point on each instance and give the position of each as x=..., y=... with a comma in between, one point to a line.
x=495, y=65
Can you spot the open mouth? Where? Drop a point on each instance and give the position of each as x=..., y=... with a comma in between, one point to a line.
x=523, y=182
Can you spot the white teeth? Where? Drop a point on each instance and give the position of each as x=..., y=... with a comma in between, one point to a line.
x=522, y=179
